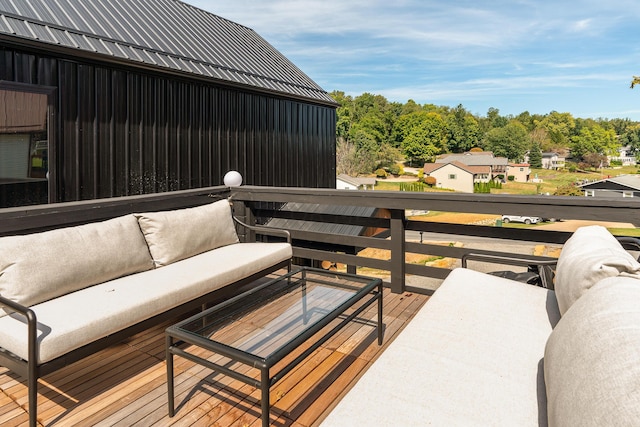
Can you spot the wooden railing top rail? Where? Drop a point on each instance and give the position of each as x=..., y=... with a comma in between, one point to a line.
x=587, y=208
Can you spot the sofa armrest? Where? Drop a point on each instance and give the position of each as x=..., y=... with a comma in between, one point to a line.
x=32, y=323
x=266, y=230
x=630, y=244
x=545, y=267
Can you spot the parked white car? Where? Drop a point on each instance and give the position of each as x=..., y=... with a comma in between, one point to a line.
x=523, y=219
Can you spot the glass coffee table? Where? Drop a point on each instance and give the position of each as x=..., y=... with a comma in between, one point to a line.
x=257, y=329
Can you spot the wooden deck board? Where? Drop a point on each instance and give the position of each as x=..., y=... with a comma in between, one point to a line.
x=125, y=384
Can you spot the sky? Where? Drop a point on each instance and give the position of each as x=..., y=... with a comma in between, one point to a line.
x=538, y=56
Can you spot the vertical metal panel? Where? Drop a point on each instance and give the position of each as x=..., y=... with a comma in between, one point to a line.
x=123, y=132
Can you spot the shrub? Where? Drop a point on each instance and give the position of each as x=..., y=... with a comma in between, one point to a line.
x=411, y=186
x=568, y=190
x=511, y=178
x=430, y=181
x=394, y=169
x=481, y=187
x=381, y=173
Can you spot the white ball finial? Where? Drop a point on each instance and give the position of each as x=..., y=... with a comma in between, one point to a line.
x=232, y=179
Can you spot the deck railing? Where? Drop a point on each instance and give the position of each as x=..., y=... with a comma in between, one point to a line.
x=316, y=243
x=264, y=202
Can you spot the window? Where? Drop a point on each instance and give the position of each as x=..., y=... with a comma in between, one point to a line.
x=627, y=194
x=452, y=176
x=24, y=144
x=590, y=193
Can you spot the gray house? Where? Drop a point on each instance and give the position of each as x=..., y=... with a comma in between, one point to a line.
x=620, y=186
x=114, y=98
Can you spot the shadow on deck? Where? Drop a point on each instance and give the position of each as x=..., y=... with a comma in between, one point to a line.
x=126, y=384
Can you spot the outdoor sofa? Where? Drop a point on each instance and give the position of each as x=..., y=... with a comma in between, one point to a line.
x=489, y=351
x=66, y=293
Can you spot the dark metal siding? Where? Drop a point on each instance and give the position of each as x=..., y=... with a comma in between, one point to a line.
x=123, y=132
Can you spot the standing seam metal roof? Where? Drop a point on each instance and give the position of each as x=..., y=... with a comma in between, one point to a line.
x=165, y=33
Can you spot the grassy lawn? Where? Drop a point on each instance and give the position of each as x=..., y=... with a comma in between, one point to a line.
x=552, y=179
x=631, y=232
x=383, y=185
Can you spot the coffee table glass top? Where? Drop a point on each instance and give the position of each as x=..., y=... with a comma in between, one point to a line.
x=289, y=307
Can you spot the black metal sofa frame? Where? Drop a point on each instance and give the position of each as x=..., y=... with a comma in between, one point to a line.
x=31, y=370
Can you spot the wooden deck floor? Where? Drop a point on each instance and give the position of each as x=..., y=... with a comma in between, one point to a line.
x=125, y=385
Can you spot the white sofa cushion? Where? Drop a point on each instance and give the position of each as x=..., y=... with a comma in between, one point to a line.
x=38, y=267
x=470, y=357
x=590, y=255
x=84, y=316
x=181, y=233
x=591, y=364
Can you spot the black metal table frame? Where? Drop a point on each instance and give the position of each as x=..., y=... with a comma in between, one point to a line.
x=175, y=337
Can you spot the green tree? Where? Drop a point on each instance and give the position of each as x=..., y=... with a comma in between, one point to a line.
x=344, y=114
x=410, y=107
x=535, y=155
x=373, y=125
x=405, y=124
x=509, y=141
x=631, y=138
x=426, y=139
x=387, y=156
x=594, y=139
x=560, y=127
x=463, y=130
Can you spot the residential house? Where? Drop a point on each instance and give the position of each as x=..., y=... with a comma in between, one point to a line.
x=115, y=98
x=497, y=165
x=553, y=161
x=346, y=182
x=618, y=187
x=520, y=171
x=457, y=176
x=625, y=157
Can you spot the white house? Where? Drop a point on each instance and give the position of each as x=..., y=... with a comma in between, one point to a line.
x=346, y=182
x=625, y=156
x=553, y=161
x=457, y=176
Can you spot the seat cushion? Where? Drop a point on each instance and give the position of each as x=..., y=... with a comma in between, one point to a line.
x=181, y=233
x=471, y=356
x=590, y=255
x=86, y=315
x=38, y=267
x=591, y=364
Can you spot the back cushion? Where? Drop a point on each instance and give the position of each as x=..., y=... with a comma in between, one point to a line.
x=590, y=255
x=591, y=368
x=38, y=267
x=181, y=233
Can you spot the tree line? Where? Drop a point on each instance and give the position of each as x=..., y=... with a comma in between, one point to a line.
x=373, y=133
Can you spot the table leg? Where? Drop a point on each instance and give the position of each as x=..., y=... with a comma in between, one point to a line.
x=264, y=386
x=380, y=314
x=170, y=391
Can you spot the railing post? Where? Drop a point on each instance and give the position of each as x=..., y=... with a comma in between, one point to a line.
x=397, y=251
x=243, y=212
